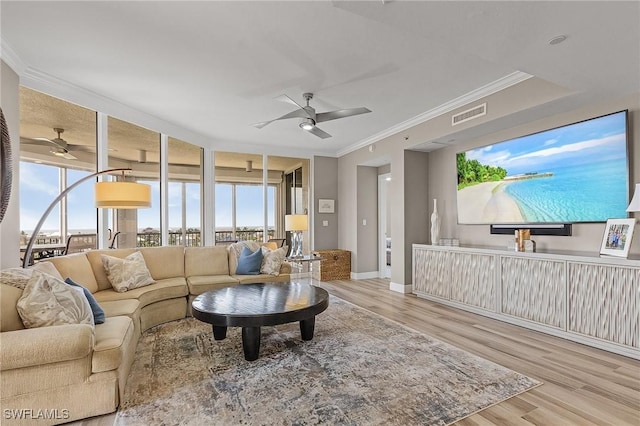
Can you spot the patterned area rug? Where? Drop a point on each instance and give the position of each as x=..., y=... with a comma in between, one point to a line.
x=359, y=369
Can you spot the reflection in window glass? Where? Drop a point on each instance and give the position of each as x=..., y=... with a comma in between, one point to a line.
x=38, y=188
x=137, y=148
x=224, y=212
x=271, y=210
x=81, y=210
x=249, y=207
x=184, y=206
x=184, y=230
x=149, y=218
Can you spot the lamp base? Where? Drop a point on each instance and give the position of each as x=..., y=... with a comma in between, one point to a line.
x=296, y=244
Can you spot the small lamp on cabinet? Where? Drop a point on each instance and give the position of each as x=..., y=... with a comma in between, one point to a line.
x=296, y=223
x=634, y=205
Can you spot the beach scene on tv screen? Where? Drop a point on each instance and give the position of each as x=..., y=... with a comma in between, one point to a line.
x=575, y=173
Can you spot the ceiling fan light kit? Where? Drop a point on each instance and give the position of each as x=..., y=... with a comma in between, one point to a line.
x=307, y=124
x=310, y=117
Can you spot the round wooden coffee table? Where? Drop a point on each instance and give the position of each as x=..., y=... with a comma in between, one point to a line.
x=251, y=306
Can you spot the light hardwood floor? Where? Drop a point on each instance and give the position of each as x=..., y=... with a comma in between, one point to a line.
x=582, y=385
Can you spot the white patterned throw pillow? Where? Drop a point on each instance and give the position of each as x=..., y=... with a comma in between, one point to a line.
x=19, y=277
x=272, y=260
x=128, y=273
x=47, y=301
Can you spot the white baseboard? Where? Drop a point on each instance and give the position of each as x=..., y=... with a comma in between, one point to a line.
x=401, y=288
x=364, y=275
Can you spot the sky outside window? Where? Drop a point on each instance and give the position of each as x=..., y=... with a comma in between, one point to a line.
x=38, y=188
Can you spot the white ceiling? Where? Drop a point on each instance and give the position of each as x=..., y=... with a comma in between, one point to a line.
x=214, y=68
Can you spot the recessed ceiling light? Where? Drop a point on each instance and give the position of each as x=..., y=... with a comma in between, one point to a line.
x=557, y=39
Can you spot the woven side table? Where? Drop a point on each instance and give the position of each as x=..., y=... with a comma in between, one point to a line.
x=336, y=266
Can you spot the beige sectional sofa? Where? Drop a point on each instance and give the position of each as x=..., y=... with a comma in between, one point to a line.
x=61, y=373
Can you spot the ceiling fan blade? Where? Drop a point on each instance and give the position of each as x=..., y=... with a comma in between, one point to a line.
x=38, y=141
x=341, y=113
x=293, y=114
x=262, y=124
x=285, y=98
x=319, y=133
x=68, y=156
x=82, y=148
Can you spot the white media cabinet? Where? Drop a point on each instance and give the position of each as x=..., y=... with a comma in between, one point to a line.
x=578, y=296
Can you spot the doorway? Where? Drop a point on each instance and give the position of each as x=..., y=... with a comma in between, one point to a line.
x=384, y=227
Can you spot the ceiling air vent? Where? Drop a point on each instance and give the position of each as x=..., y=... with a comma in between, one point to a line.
x=470, y=114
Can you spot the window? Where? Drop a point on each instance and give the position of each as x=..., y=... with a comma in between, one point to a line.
x=239, y=213
x=184, y=193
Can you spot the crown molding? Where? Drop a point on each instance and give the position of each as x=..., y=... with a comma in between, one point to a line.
x=11, y=58
x=473, y=96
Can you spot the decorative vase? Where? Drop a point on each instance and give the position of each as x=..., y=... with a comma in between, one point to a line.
x=435, y=223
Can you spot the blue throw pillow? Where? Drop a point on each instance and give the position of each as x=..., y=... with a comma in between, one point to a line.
x=98, y=313
x=249, y=262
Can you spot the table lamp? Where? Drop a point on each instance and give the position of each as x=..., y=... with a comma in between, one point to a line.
x=634, y=205
x=296, y=223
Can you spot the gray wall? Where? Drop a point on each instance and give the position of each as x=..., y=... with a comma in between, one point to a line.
x=367, y=205
x=325, y=178
x=10, y=226
x=417, y=222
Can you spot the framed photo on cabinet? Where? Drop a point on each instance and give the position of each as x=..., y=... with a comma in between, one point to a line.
x=617, y=237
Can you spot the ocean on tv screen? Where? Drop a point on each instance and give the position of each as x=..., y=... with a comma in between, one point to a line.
x=571, y=174
x=573, y=194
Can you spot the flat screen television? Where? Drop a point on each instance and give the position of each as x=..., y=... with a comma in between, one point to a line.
x=571, y=174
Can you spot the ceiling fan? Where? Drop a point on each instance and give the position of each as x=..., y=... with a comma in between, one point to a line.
x=59, y=148
x=309, y=116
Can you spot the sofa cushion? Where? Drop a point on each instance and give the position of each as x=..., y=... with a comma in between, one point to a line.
x=202, y=261
x=127, y=307
x=55, y=344
x=249, y=262
x=112, y=340
x=164, y=262
x=77, y=267
x=98, y=312
x=163, y=289
x=262, y=278
x=124, y=307
x=48, y=301
x=128, y=273
x=200, y=284
x=9, y=317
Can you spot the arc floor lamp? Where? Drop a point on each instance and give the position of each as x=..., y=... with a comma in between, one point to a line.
x=109, y=195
